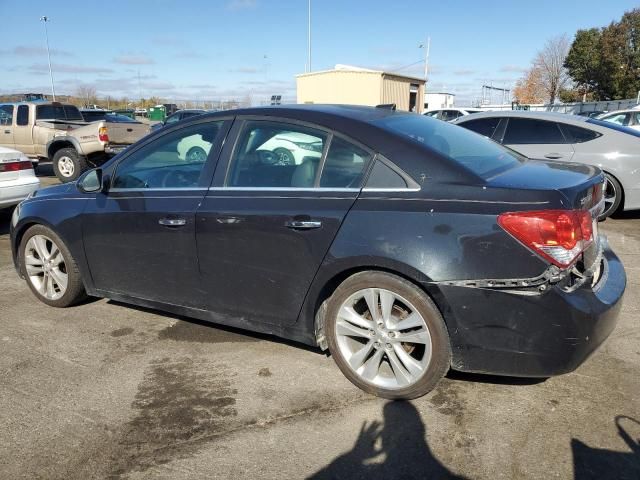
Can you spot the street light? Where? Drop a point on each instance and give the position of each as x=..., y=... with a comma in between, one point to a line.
x=309, y=38
x=45, y=19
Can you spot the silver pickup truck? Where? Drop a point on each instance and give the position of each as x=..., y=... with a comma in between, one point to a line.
x=57, y=132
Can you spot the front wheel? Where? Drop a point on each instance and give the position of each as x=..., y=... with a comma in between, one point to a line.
x=68, y=164
x=49, y=268
x=387, y=336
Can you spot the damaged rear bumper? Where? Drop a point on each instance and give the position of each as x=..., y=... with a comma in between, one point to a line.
x=504, y=331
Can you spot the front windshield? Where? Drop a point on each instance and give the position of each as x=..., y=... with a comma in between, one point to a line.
x=482, y=156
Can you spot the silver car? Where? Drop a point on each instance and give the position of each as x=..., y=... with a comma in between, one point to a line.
x=572, y=138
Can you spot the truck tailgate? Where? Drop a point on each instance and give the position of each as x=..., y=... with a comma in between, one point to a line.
x=126, y=133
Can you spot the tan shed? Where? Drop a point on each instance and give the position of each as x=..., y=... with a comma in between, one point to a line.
x=360, y=86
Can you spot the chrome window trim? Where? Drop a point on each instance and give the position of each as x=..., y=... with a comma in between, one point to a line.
x=157, y=189
x=282, y=189
x=407, y=189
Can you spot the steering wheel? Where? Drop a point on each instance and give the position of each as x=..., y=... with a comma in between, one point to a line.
x=177, y=179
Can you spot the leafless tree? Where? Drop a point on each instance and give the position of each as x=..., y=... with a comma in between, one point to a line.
x=87, y=93
x=550, y=63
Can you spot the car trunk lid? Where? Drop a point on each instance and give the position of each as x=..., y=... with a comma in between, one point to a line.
x=125, y=133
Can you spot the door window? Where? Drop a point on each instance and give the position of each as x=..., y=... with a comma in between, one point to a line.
x=6, y=114
x=384, y=177
x=22, y=117
x=344, y=165
x=275, y=154
x=449, y=115
x=522, y=131
x=175, y=160
x=636, y=118
x=618, y=119
x=483, y=126
x=579, y=134
x=172, y=119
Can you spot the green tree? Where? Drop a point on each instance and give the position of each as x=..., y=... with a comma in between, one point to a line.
x=583, y=60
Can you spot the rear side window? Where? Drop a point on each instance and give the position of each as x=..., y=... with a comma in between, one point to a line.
x=483, y=126
x=527, y=131
x=58, y=112
x=383, y=176
x=579, y=134
x=480, y=155
x=344, y=165
x=22, y=117
x=6, y=114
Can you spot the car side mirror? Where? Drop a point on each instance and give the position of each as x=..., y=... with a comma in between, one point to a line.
x=91, y=181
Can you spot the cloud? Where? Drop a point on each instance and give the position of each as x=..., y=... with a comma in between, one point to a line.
x=34, y=51
x=133, y=60
x=241, y=4
x=65, y=68
x=513, y=69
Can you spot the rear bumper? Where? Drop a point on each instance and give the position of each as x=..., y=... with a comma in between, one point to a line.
x=541, y=335
x=14, y=191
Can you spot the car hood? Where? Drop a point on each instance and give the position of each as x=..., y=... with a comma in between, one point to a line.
x=573, y=180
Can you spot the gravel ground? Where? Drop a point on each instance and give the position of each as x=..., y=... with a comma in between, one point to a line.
x=104, y=390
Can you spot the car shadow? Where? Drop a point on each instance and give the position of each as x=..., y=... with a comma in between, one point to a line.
x=395, y=448
x=493, y=379
x=5, y=220
x=602, y=464
x=44, y=170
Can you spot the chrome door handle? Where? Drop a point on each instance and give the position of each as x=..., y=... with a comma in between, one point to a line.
x=172, y=222
x=553, y=156
x=303, y=224
x=7, y=131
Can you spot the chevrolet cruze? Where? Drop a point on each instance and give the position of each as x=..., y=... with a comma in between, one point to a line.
x=407, y=246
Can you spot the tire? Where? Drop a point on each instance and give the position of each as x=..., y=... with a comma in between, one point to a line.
x=407, y=374
x=285, y=157
x=613, y=196
x=196, y=154
x=30, y=256
x=68, y=164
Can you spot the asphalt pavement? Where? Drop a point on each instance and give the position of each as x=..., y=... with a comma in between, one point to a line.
x=106, y=390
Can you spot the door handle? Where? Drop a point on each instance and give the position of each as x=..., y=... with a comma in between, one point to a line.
x=553, y=156
x=172, y=222
x=7, y=131
x=303, y=224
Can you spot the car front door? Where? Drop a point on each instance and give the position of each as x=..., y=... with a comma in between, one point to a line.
x=265, y=226
x=6, y=125
x=139, y=235
x=539, y=139
x=23, y=131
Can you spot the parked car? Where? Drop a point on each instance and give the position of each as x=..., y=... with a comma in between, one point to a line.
x=58, y=132
x=176, y=117
x=450, y=114
x=591, y=114
x=17, y=178
x=108, y=116
x=624, y=118
x=410, y=247
x=571, y=138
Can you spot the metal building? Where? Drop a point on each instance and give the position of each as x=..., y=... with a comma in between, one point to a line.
x=359, y=86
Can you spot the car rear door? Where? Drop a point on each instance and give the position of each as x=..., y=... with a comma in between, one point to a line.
x=267, y=222
x=139, y=236
x=541, y=139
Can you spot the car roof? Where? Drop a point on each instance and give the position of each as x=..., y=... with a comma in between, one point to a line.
x=551, y=116
x=626, y=110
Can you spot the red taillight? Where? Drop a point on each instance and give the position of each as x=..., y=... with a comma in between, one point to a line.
x=557, y=235
x=103, y=134
x=15, y=166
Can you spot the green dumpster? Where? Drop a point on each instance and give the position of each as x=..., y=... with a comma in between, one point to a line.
x=127, y=112
x=157, y=113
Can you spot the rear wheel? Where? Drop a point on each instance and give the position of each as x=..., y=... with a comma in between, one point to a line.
x=612, y=196
x=387, y=336
x=196, y=154
x=68, y=164
x=285, y=157
x=49, y=268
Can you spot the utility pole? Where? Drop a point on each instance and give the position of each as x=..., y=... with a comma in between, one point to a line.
x=426, y=60
x=45, y=19
x=309, y=39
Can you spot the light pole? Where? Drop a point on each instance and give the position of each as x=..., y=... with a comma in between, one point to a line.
x=45, y=19
x=426, y=47
x=309, y=39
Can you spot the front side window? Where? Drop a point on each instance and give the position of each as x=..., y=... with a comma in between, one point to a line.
x=526, y=131
x=6, y=114
x=22, y=117
x=483, y=126
x=618, y=119
x=175, y=160
x=344, y=165
x=173, y=119
x=275, y=154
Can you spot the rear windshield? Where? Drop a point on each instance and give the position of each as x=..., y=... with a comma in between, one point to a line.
x=482, y=156
x=614, y=126
x=58, y=112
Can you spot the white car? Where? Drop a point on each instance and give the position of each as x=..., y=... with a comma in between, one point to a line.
x=625, y=118
x=292, y=148
x=17, y=178
x=450, y=114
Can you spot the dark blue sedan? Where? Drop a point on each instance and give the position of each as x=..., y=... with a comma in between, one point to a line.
x=405, y=245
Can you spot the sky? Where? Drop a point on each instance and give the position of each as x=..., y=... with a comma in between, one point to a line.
x=239, y=49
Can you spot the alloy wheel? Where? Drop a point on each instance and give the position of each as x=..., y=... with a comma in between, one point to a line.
x=66, y=166
x=46, y=267
x=383, y=338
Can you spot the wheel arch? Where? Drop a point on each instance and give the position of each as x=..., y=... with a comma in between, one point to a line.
x=615, y=176
x=65, y=142
x=322, y=288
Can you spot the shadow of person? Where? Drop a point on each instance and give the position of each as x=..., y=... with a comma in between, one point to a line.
x=600, y=463
x=397, y=448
